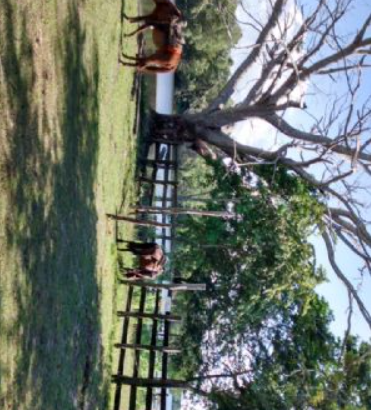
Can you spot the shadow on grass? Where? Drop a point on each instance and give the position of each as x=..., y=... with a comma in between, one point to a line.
x=53, y=224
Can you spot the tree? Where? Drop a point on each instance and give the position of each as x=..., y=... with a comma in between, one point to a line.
x=207, y=63
x=255, y=265
x=342, y=382
x=300, y=46
x=261, y=337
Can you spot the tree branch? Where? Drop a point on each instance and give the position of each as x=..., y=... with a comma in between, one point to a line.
x=283, y=126
x=230, y=87
x=331, y=255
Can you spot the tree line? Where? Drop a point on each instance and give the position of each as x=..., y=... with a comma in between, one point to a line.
x=210, y=33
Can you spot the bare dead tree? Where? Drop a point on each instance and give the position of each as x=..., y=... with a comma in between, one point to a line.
x=307, y=47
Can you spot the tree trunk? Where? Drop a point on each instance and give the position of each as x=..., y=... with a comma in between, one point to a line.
x=172, y=128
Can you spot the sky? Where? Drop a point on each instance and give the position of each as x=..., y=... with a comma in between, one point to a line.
x=259, y=133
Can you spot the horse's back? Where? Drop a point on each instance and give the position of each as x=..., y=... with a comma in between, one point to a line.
x=167, y=8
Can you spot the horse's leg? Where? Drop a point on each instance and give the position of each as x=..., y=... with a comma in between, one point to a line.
x=155, y=63
x=130, y=57
x=134, y=274
x=140, y=29
x=135, y=60
x=127, y=64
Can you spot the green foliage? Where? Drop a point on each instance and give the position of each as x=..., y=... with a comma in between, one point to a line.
x=210, y=34
x=196, y=179
x=263, y=253
x=342, y=381
x=261, y=275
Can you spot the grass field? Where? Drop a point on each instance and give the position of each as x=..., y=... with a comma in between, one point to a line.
x=67, y=156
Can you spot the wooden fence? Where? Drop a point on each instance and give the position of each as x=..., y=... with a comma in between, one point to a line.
x=161, y=343
x=158, y=179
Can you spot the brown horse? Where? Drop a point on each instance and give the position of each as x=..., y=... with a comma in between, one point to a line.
x=151, y=259
x=167, y=22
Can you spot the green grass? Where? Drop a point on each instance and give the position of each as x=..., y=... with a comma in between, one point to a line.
x=67, y=156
